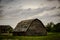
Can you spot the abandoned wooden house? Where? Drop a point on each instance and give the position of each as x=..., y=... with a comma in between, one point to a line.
x=31, y=27
x=5, y=29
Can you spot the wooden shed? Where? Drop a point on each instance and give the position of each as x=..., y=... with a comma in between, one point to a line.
x=5, y=29
x=30, y=27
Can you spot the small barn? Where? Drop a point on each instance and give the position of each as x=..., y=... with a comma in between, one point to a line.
x=31, y=27
x=5, y=29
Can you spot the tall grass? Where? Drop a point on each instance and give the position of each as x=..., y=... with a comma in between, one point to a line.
x=50, y=36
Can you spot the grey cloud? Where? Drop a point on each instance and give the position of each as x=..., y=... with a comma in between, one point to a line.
x=13, y=10
x=1, y=11
x=57, y=14
x=27, y=12
x=1, y=6
x=36, y=11
x=50, y=19
x=1, y=14
x=58, y=0
x=53, y=8
x=50, y=0
x=54, y=14
x=6, y=1
x=45, y=9
x=53, y=0
x=58, y=7
x=0, y=0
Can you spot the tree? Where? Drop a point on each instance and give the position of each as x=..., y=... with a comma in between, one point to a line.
x=50, y=26
x=56, y=27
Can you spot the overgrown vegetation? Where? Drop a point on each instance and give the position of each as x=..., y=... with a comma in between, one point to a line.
x=51, y=27
x=50, y=36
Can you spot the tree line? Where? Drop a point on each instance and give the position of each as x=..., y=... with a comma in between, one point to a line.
x=51, y=27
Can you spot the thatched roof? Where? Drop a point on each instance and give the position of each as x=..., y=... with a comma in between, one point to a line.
x=24, y=25
x=5, y=27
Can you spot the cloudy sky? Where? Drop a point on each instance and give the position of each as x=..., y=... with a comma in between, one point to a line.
x=13, y=11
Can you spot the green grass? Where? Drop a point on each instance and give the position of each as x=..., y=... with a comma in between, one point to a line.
x=50, y=36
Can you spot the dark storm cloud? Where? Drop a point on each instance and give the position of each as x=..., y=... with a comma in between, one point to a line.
x=6, y=1
x=58, y=7
x=58, y=0
x=0, y=0
x=58, y=15
x=49, y=8
x=1, y=6
x=53, y=0
x=49, y=0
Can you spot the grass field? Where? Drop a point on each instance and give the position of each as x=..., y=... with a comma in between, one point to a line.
x=50, y=36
